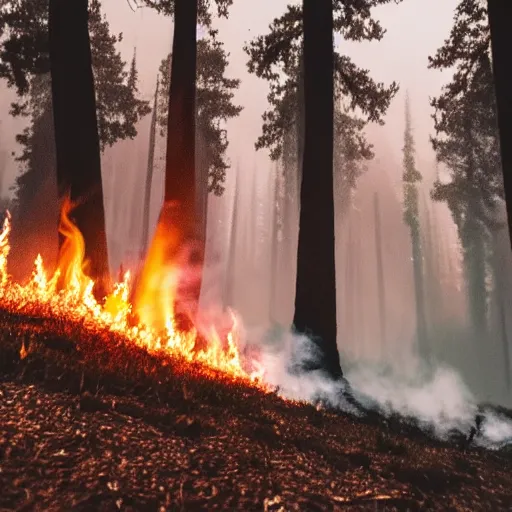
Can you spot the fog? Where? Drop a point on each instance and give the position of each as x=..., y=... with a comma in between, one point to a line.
x=240, y=270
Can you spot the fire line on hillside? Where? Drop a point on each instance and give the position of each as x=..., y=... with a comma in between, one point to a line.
x=68, y=294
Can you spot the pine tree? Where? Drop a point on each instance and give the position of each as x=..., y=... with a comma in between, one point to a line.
x=77, y=141
x=411, y=178
x=214, y=106
x=380, y=271
x=315, y=297
x=149, y=173
x=277, y=57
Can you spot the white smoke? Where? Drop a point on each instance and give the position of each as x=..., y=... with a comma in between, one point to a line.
x=435, y=396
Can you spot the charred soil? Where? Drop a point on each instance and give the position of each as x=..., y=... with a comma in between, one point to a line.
x=89, y=422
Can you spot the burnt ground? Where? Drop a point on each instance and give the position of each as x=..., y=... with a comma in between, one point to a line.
x=89, y=423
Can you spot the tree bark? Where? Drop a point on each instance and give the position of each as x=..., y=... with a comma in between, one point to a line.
x=180, y=173
x=500, y=14
x=315, y=300
x=175, y=240
x=76, y=130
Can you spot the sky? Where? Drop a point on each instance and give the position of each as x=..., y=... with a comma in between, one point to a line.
x=415, y=29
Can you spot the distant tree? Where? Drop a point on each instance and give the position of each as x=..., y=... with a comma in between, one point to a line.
x=467, y=143
x=315, y=297
x=380, y=271
x=411, y=178
x=214, y=105
x=149, y=172
x=24, y=53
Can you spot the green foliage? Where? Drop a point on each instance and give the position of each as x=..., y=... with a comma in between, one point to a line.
x=411, y=177
x=214, y=105
x=276, y=57
x=24, y=54
x=467, y=143
x=205, y=11
x=465, y=120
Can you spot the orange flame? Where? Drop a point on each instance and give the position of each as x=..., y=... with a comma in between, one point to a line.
x=68, y=294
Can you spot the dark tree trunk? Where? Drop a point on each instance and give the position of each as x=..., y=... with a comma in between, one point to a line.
x=500, y=14
x=149, y=177
x=180, y=172
x=315, y=299
x=76, y=130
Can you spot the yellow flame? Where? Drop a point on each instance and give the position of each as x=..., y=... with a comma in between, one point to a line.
x=68, y=294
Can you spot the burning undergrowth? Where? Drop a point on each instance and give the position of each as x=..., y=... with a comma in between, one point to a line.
x=68, y=296
x=56, y=331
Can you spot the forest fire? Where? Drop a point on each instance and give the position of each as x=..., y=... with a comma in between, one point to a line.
x=68, y=294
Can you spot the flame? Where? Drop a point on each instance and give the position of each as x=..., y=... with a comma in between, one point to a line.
x=68, y=294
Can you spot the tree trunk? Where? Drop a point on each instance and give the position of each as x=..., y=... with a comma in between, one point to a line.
x=149, y=177
x=181, y=133
x=500, y=14
x=315, y=299
x=499, y=301
x=274, y=244
x=76, y=130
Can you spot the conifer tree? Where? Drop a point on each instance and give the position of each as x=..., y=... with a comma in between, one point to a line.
x=411, y=178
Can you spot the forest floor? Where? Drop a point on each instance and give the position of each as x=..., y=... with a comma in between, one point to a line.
x=88, y=422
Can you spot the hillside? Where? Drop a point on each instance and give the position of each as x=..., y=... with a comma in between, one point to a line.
x=91, y=423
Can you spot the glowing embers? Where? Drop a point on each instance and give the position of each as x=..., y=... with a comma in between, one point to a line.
x=68, y=294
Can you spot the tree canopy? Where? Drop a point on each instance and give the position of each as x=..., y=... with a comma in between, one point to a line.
x=215, y=93
x=24, y=54
x=276, y=57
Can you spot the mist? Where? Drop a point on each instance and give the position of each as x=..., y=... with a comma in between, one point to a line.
x=250, y=265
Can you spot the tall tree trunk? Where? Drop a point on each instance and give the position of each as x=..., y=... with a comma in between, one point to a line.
x=76, y=129
x=500, y=14
x=149, y=176
x=380, y=272
x=315, y=299
x=300, y=121
x=419, y=292
x=181, y=133
x=274, y=244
